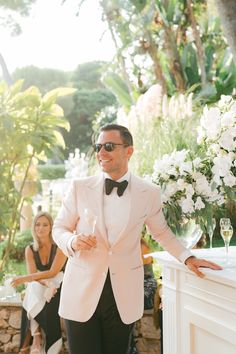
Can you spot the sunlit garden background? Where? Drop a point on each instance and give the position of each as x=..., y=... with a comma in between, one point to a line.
x=172, y=82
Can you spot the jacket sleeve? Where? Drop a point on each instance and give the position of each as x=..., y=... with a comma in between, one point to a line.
x=65, y=223
x=160, y=231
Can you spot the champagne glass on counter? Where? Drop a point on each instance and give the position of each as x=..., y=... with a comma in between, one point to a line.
x=211, y=231
x=226, y=231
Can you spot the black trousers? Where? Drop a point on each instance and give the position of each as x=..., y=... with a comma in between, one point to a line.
x=104, y=332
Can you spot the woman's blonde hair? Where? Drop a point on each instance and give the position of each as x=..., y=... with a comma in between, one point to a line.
x=35, y=237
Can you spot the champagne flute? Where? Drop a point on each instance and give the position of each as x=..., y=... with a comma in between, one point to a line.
x=226, y=233
x=90, y=222
x=225, y=222
x=211, y=231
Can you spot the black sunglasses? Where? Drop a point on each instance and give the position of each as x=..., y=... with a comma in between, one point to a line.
x=107, y=146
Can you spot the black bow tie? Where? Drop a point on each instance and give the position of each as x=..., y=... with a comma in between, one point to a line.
x=110, y=184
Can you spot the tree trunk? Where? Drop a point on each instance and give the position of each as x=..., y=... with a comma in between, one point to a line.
x=227, y=14
x=5, y=71
x=174, y=59
x=198, y=42
x=153, y=52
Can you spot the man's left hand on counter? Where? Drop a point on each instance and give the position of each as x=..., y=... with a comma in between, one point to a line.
x=194, y=264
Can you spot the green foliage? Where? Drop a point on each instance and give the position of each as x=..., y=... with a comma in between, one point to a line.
x=88, y=75
x=119, y=87
x=139, y=4
x=190, y=66
x=21, y=6
x=45, y=79
x=16, y=268
x=29, y=130
x=17, y=250
x=51, y=171
x=156, y=42
x=87, y=103
x=93, y=98
x=11, y=8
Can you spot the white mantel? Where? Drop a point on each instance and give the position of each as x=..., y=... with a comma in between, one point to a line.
x=199, y=315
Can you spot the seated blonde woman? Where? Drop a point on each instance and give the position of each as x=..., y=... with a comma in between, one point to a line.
x=45, y=264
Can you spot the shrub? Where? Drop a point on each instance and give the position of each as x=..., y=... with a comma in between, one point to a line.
x=51, y=171
x=17, y=252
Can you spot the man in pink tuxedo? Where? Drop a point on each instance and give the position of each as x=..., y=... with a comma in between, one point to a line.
x=102, y=292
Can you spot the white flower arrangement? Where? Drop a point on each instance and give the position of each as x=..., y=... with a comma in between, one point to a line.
x=187, y=191
x=218, y=132
x=192, y=187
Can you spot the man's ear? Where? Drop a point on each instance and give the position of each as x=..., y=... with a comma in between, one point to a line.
x=130, y=151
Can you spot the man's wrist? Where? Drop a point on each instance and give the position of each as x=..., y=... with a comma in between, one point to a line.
x=70, y=250
x=187, y=259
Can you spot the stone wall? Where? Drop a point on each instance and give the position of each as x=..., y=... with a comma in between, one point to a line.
x=10, y=321
x=147, y=337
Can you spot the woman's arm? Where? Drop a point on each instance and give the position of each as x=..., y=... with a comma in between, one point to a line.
x=33, y=275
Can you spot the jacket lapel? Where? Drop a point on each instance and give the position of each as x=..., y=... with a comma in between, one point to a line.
x=94, y=196
x=138, y=205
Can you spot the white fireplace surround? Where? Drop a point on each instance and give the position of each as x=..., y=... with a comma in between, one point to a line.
x=199, y=315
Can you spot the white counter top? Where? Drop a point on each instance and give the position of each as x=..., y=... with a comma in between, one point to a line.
x=199, y=314
x=217, y=255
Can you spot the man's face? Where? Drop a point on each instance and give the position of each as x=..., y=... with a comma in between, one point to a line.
x=115, y=162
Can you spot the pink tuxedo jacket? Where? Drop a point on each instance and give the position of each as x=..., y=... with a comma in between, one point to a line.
x=86, y=271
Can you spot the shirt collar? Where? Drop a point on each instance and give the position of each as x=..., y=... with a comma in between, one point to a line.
x=126, y=176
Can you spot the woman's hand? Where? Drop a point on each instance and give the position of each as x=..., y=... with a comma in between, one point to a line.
x=18, y=280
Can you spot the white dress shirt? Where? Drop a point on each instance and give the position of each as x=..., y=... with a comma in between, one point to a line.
x=116, y=209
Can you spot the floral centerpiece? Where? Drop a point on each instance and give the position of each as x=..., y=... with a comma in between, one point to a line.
x=193, y=186
x=188, y=191
x=218, y=133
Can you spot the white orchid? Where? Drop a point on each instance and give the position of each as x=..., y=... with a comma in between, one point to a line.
x=229, y=180
x=218, y=132
x=187, y=205
x=227, y=140
x=199, y=204
x=210, y=121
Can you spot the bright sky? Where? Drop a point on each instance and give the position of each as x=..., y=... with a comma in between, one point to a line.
x=54, y=37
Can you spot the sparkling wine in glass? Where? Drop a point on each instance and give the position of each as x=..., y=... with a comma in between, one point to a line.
x=211, y=231
x=90, y=220
x=226, y=233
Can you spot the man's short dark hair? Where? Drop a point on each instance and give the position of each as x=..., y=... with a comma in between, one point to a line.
x=124, y=132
